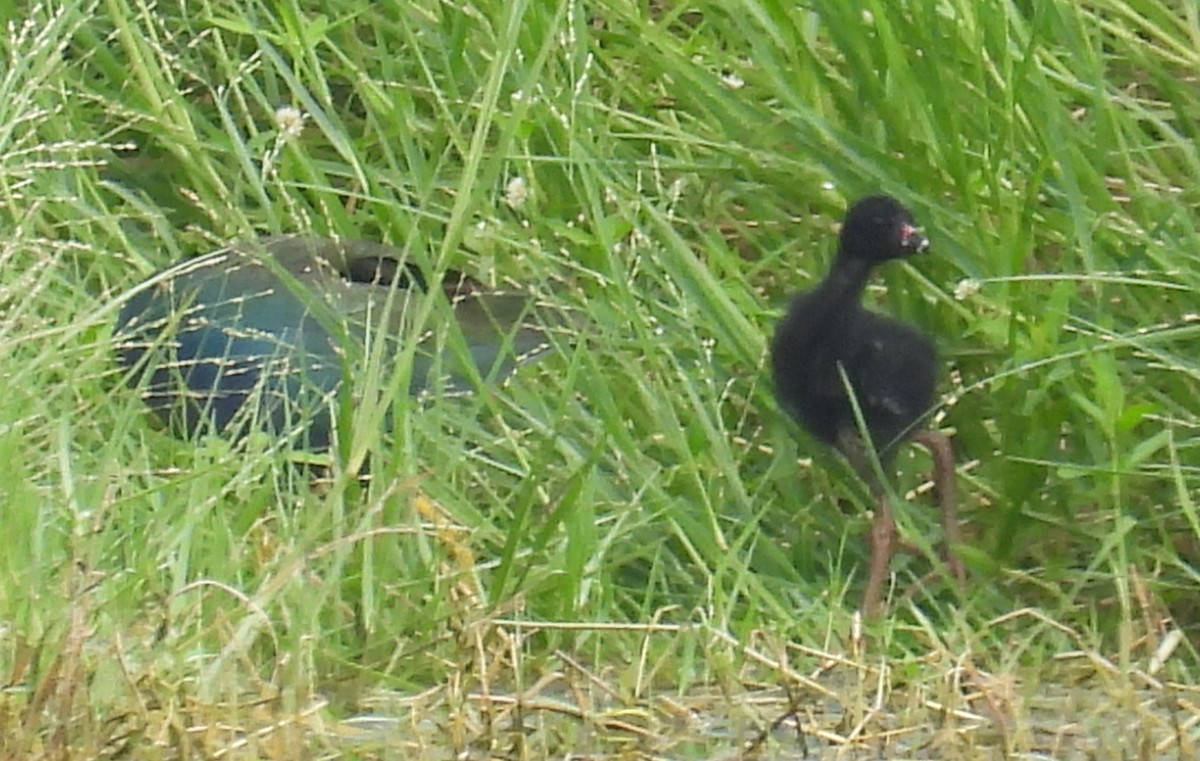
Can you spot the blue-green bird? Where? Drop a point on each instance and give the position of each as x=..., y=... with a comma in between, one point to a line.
x=262, y=334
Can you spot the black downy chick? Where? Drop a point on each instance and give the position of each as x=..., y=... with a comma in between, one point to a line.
x=828, y=340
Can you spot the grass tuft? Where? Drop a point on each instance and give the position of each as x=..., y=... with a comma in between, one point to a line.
x=627, y=548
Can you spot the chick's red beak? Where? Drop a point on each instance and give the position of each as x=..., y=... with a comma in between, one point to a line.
x=912, y=239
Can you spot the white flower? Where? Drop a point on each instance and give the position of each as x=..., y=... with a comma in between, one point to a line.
x=290, y=122
x=516, y=192
x=966, y=288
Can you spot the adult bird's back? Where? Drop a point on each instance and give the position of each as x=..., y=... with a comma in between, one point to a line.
x=263, y=334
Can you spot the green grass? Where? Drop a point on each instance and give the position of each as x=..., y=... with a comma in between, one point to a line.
x=640, y=491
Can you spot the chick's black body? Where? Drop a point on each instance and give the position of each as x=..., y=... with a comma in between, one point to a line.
x=891, y=367
x=829, y=353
